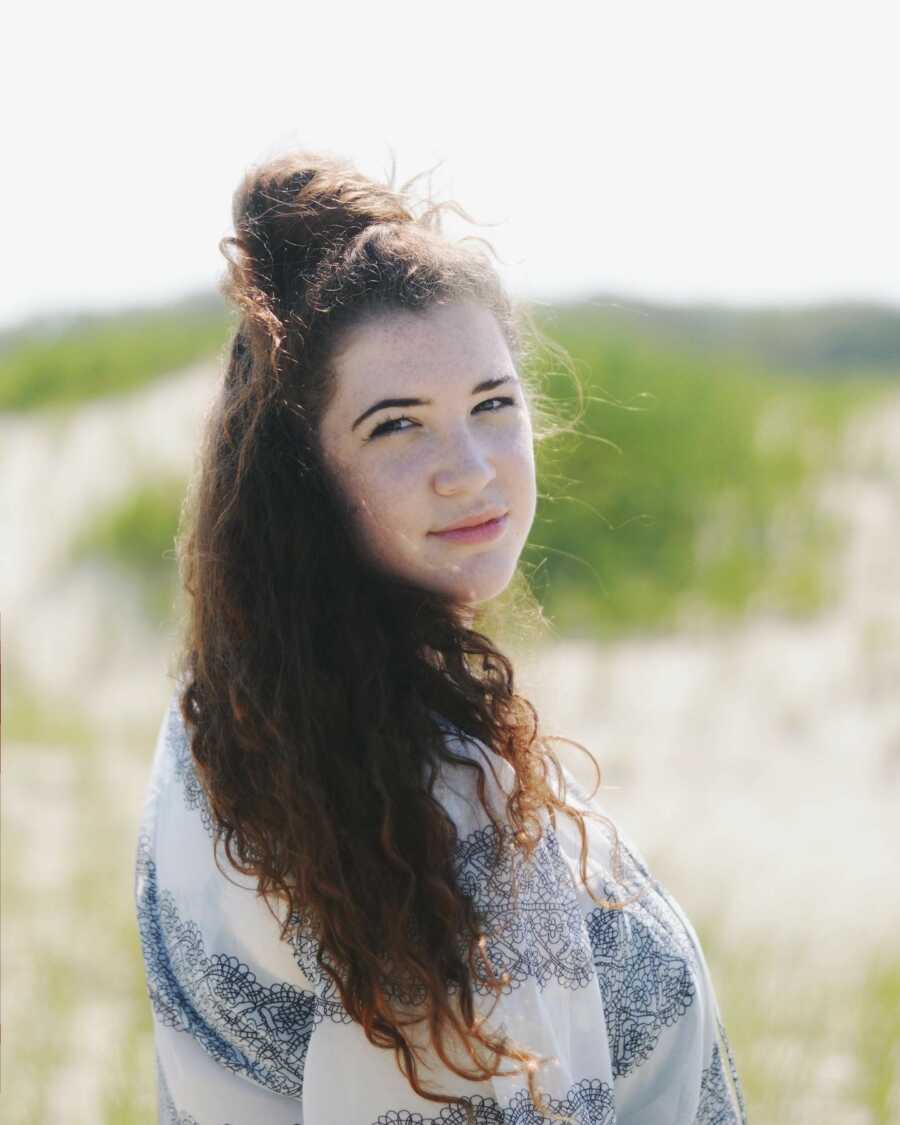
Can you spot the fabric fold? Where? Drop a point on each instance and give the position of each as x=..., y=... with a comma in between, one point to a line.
x=619, y=1001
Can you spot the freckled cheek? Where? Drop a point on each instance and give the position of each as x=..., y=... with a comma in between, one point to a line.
x=518, y=459
x=518, y=469
x=382, y=499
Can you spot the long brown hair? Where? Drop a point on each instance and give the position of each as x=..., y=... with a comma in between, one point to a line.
x=311, y=684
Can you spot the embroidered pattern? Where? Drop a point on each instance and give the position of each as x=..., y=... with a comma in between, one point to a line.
x=537, y=928
x=534, y=929
x=716, y=1104
x=539, y=935
x=588, y=1102
x=194, y=796
x=258, y=1031
x=716, y=1101
x=738, y=1088
x=305, y=948
x=645, y=967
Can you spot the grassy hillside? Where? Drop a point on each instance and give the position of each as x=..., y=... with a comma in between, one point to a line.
x=56, y=364
x=693, y=482
x=834, y=340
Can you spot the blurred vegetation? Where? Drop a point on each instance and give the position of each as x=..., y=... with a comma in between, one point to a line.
x=878, y=1039
x=807, y=1048
x=685, y=492
x=28, y=718
x=88, y=1055
x=841, y=340
x=689, y=489
x=63, y=364
x=137, y=536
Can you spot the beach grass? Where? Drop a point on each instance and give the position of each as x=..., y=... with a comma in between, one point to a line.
x=687, y=489
x=104, y=356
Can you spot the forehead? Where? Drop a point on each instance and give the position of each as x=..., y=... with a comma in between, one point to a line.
x=412, y=348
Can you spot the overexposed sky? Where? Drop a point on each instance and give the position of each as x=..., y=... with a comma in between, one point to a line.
x=699, y=150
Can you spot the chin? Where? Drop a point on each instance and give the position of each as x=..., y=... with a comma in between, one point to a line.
x=468, y=584
x=477, y=593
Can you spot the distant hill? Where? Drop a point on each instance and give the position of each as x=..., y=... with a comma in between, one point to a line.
x=50, y=326
x=840, y=338
x=837, y=338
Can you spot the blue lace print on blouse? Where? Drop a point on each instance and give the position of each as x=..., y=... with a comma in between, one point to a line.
x=194, y=796
x=533, y=921
x=644, y=961
x=646, y=966
x=588, y=1102
x=716, y=1105
x=268, y=1028
x=538, y=936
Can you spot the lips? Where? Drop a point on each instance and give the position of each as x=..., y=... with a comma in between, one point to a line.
x=480, y=533
x=473, y=521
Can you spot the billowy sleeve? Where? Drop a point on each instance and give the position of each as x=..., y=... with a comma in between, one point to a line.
x=248, y=1028
x=232, y=1014
x=617, y=997
x=538, y=942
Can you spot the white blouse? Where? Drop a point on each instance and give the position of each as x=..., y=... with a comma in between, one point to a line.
x=249, y=1030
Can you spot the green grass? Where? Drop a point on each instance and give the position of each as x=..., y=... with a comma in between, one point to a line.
x=105, y=356
x=812, y=1047
x=87, y=959
x=878, y=1039
x=28, y=718
x=137, y=536
x=672, y=499
x=128, y=1095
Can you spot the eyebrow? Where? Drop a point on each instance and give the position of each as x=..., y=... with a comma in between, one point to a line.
x=382, y=404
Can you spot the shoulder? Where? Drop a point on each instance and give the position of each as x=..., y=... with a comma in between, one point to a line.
x=456, y=785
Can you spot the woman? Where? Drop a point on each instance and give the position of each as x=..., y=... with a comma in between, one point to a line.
x=363, y=895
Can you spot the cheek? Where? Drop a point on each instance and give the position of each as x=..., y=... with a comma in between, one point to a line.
x=520, y=483
x=519, y=458
x=400, y=475
x=385, y=499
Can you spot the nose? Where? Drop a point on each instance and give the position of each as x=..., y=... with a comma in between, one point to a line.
x=464, y=465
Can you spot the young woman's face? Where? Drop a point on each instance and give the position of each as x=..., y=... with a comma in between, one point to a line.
x=466, y=449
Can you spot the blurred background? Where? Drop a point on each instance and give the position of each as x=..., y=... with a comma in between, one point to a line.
x=699, y=202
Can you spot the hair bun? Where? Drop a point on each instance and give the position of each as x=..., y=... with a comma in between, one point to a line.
x=303, y=205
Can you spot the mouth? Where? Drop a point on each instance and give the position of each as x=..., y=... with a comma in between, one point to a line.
x=480, y=533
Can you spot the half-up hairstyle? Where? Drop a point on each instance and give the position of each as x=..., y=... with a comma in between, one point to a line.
x=314, y=687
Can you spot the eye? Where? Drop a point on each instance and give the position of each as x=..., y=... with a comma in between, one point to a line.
x=384, y=427
x=504, y=401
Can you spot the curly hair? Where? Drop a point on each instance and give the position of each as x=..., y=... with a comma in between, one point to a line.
x=314, y=688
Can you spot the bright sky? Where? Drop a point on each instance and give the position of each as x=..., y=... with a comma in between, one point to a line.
x=715, y=150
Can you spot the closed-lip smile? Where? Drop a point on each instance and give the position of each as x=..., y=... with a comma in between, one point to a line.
x=473, y=521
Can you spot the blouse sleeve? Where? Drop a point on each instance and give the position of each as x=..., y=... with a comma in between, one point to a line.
x=248, y=1028
x=538, y=942
x=616, y=997
x=232, y=1016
